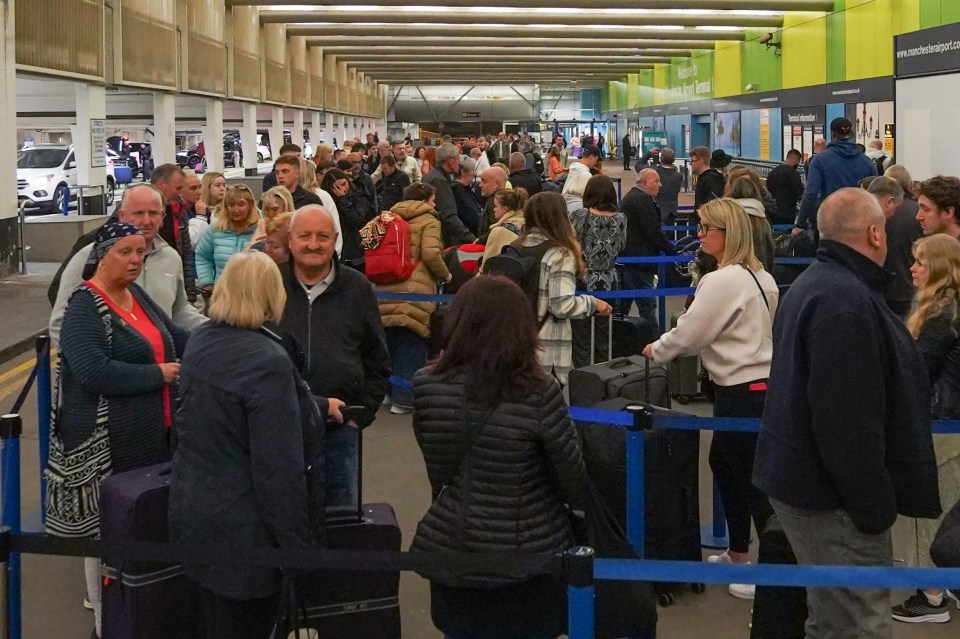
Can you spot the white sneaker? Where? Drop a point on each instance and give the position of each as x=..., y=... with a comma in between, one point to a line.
x=722, y=558
x=400, y=410
x=742, y=591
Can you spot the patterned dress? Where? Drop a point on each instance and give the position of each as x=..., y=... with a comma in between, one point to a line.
x=601, y=238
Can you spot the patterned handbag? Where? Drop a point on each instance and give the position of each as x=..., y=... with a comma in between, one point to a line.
x=74, y=477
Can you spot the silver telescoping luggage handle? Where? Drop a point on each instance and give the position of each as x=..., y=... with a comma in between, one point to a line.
x=593, y=340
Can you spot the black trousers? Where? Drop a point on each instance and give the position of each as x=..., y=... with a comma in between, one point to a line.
x=731, y=460
x=231, y=619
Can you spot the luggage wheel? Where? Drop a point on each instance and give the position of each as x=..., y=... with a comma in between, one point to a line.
x=665, y=599
x=682, y=399
x=698, y=588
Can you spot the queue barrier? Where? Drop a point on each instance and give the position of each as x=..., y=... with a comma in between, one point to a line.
x=578, y=565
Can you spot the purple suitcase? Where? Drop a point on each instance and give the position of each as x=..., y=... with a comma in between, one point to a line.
x=144, y=600
x=361, y=604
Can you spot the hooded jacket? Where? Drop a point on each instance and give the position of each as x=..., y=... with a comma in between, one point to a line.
x=709, y=187
x=763, y=246
x=577, y=177
x=846, y=424
x=840, y=165
x=426, y=251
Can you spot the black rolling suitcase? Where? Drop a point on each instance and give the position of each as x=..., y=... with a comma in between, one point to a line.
x=671, y=480
x=779, y=612
x=355, y=604
x=624, y=377
x=144, y=600
x=684, y=374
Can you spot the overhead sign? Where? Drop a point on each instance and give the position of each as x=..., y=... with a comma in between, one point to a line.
x=811, y=115
x=927, y=52
x=470, y=114
x=98, y=142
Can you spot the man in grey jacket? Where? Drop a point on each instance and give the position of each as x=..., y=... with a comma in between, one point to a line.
x=162, y=273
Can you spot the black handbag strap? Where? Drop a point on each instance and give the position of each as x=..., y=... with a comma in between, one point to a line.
x=763, y=295
x=469, y=433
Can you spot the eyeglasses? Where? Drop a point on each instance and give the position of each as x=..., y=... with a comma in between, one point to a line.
x=703, y=229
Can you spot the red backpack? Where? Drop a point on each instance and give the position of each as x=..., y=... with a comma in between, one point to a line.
x=389, y=261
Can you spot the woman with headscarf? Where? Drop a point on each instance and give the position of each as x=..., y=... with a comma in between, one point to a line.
x=113, y=401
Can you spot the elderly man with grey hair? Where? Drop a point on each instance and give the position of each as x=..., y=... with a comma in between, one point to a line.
x=440, y=178
x=161, y=276
x=903, y=230
x=333, y=313
x=845, y=443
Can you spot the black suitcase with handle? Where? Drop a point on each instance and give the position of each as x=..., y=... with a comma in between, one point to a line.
x=671, y=482
x=779, y=612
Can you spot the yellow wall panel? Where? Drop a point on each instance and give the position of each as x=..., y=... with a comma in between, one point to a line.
x=804, y=38
x=727, y=78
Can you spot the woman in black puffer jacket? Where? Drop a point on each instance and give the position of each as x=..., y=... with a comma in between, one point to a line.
x=503, y=461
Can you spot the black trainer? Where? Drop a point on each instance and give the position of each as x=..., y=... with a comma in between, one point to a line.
x=918, y=609
x=955, y=596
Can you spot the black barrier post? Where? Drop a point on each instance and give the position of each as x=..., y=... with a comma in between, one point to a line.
x=636, y=488
x=10, y=429
x=580, y=595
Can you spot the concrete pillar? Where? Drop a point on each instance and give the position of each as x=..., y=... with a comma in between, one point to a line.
x=248, y=138
x=164, y=142
x=296, y=133
x=276, y=131
x=330, y=135
x=213, y=134
x=91, y=162
x=9, y=231
x=342, y=131
x=316, y=130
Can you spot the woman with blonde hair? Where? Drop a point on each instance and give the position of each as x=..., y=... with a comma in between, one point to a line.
x=508, y=210
x=229, y=233
x=274, y=202
x=730, y=325
x=248, y=435
x=934, y=321
x=213, y=186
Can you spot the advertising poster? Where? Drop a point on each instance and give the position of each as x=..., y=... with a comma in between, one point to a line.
x=726, y=127
x=765, y=134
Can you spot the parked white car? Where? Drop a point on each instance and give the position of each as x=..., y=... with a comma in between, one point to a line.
x=47, y=175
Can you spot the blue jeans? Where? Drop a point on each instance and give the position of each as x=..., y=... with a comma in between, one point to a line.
x=635, y=277
x=409, y=354
x=341, y=449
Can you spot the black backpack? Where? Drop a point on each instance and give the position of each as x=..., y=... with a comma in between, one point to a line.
x=879, y=162
x=521, y=264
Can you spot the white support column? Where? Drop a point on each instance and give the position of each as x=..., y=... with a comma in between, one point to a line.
x=316, y=128
x=91, y=105
x=9, y=232
x=296, y=133
x=276, y=131
x=213, y=134
x=330, y=133
x=343, y=132
x=164, y=143
x=248, y=138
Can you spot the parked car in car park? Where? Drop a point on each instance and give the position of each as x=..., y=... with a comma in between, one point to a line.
x=47, y=176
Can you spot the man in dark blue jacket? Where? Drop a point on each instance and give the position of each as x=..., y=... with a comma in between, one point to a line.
x=332, y=311
x=842, y=164
x=644, y=239
x=845, y=441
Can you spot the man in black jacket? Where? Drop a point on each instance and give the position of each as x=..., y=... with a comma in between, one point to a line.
x=287, y=170
x=903, y=230
x=710, y=180
x=523, y=177
x=644, y=239
x=670, y=184
x=440, y=178
x=845, y=441
x=786, y=186
x=626, y=150
x=332, y=311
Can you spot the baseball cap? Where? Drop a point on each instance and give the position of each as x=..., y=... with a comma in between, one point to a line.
x=590, y=149
x=841, y=128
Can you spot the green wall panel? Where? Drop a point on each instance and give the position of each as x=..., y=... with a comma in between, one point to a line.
x=758, y=64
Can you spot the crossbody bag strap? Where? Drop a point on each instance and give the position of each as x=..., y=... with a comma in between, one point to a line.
x=469, y=435
x=763, y=295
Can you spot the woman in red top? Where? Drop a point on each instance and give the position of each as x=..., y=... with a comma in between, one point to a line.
x=118, y=360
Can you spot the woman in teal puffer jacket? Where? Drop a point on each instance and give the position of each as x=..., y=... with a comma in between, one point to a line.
x=228, y=233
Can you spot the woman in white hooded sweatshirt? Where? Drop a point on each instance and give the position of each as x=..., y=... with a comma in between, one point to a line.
x=729, y=324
